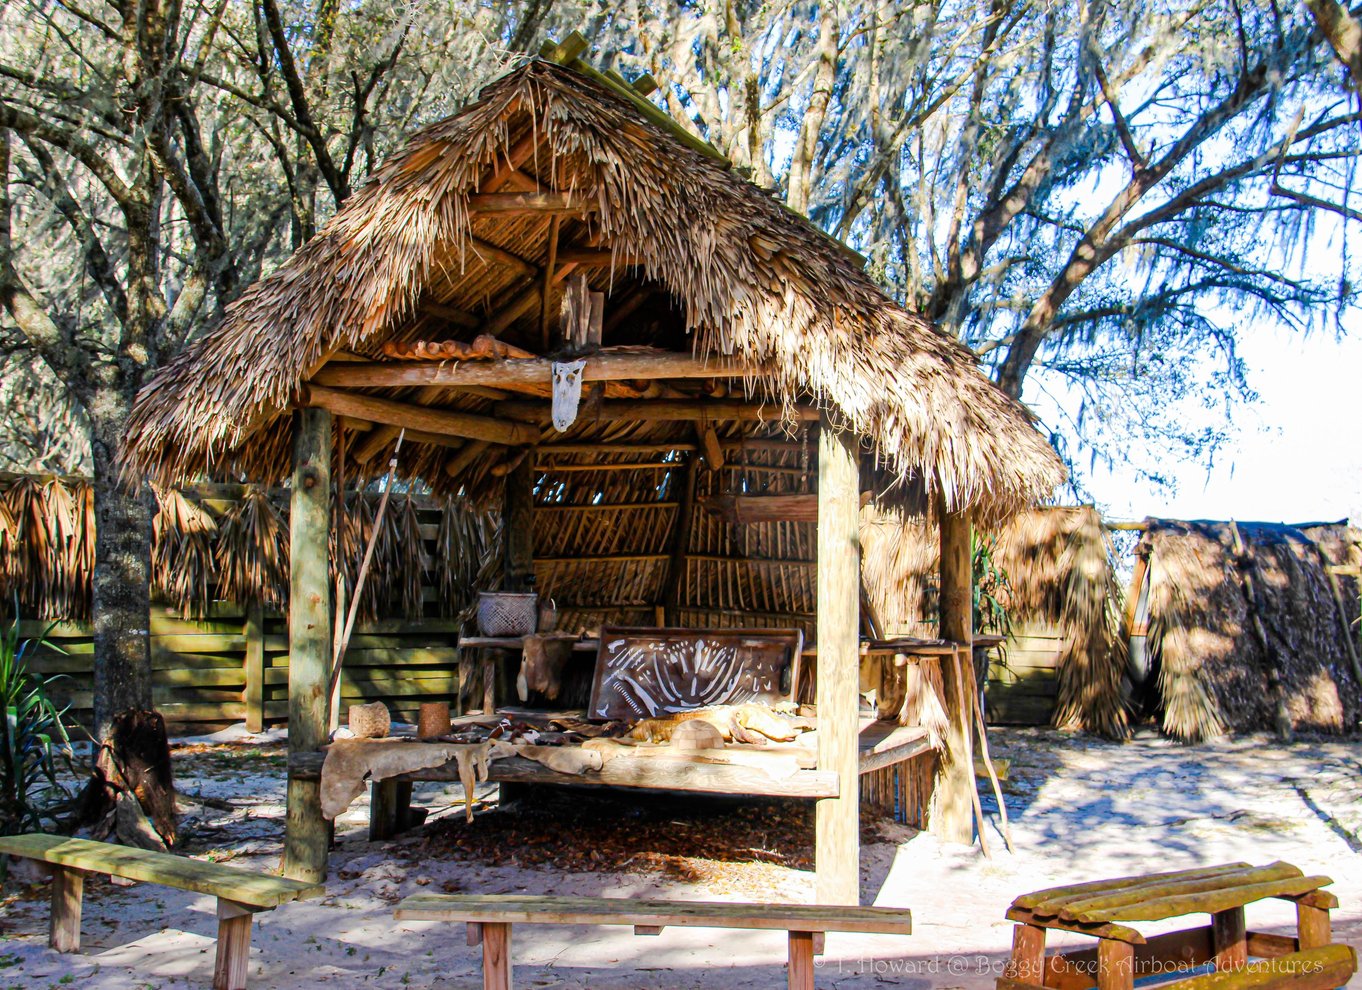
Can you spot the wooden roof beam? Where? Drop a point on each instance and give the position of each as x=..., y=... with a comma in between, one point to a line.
x=530, y=202
x=655, y=410
x=413, y=417
x=605, y=367
x=597, y=258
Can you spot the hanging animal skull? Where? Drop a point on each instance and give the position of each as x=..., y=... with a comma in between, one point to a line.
x=567, y=392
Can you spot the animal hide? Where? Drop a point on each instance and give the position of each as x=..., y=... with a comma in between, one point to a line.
x=541, y=665
x=350, y=762
x=739, y=723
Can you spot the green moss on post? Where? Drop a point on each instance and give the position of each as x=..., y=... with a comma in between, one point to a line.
x=309, y=631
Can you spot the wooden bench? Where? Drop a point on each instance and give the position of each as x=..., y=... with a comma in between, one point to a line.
x=490, y=917
x=1309, y=960
x=240, y=893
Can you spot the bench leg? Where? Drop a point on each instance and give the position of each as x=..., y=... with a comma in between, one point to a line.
x=1115, y=965
x=800, y=968
x=1028, y=955
x=1229, y=939
x=496, y=956
x=389, y=808
x=67, y=887
x=234, y=946
x=1312, y=924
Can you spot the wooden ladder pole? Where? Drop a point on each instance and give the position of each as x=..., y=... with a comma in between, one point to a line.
x=966, y=712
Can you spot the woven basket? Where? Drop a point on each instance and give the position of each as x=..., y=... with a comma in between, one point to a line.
x=507, y=613
x=370, y=721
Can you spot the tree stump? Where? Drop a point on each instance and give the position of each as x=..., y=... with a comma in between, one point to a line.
x=131, y=791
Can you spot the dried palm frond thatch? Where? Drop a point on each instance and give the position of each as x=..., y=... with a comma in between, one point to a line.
x=467, y=557
x=48, y=545
x=740, y=274
x=252, y=552
x=1059, y=562
x=1060, y=575
x=1246, y=630
x=183, y=539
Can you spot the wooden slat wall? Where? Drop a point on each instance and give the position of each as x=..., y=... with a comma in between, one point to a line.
x=1022, y=683
x=198, y=666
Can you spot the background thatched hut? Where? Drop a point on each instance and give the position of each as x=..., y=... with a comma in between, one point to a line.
x=745, y=387
x=1064, y=658
x=1250, y=626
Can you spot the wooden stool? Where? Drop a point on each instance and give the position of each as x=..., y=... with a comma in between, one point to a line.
x=1308, y=961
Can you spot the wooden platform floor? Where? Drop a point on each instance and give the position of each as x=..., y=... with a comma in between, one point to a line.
x=768, y=771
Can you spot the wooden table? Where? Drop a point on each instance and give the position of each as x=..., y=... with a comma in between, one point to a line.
x=489, y=918
x=1104, y=908
x=492, y=647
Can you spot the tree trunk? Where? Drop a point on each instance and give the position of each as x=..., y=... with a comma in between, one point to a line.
x=122, y=606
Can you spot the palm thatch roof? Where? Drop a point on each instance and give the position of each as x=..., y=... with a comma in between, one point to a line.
x=1250, y=624
x=700, y=261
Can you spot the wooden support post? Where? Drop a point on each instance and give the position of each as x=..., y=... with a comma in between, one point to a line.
x=1027, y=964
x=1115, y=965
x=1312, y=924
x=309, y=632
x=67, y=887
x=1229, y=939
x=952, y=804
x=496, y=956
x=676, y=565
x=254, y=631
x=517, y=515
x=837, y=820
x=800, y=967
x=234, y=946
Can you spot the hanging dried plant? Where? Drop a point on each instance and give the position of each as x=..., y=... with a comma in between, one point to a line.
x=183, y=540
x=252, y=552
x=467, y=557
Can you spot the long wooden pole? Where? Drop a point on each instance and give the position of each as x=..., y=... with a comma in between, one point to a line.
x=343, y=640
x=306, y=834
x=837, y=840
x=414, y=417
x=527, y=371
x=951, y=802
x=967, y=711
x=648, y=410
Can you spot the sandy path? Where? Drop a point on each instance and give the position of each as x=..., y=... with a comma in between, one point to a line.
x=1081, y=809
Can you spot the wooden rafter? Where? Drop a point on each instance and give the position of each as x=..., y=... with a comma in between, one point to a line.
x=603, y=367
x=407, y=415
x=652, y=410
x=549, y=264
x=530, y=202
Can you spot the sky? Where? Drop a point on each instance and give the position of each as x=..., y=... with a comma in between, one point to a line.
x=1295, y=455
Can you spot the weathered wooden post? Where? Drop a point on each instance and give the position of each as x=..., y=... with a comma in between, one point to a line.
x=952, y=817
x=309, y=635
x=837, y=839
x=254, y=632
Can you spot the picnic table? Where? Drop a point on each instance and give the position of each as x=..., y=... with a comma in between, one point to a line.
x=1105, y=909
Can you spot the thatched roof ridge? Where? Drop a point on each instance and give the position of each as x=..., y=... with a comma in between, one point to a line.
x=752, y=279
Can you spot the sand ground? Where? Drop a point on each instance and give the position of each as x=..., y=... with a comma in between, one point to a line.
x=1081, y=809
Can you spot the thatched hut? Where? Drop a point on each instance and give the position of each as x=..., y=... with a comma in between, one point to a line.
x=744, y=386
x=1248, y=626
x=1063, y=659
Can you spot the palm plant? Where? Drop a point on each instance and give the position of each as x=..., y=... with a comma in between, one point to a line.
x=33, y=740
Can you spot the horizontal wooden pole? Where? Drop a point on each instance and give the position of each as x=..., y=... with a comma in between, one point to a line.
x=488, y=251
x=526, y=371
x=454, y=315
x=422, y=418
x=530, y=202
x=597, y=257
x=651, y=410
